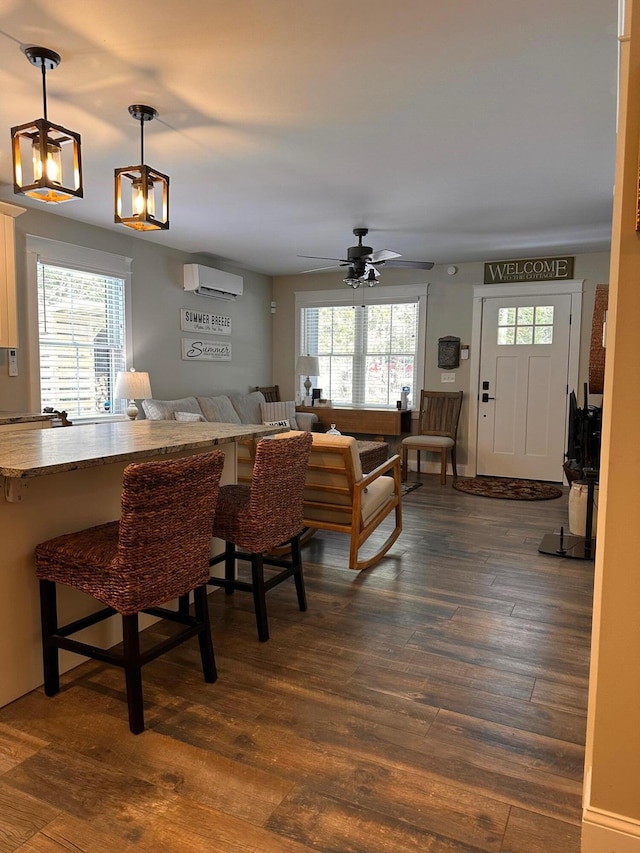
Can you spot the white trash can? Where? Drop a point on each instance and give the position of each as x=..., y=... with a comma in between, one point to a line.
x=578, y=496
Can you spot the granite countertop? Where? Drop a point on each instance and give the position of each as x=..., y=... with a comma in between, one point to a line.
x=48, y=451
x=22, y=417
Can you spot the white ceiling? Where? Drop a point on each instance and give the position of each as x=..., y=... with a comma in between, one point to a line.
x=456, y=130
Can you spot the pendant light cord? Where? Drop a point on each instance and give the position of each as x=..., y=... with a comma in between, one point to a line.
x=44, y=86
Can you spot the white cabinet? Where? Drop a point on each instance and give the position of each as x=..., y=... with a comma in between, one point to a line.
x=8, y=308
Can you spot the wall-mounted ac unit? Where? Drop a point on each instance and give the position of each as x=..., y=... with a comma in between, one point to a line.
x=207, y=281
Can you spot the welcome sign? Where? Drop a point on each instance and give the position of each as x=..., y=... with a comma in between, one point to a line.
x=529, y=269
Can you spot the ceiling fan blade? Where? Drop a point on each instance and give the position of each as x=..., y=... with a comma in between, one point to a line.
x=321, y=269
x=416, y=265
x=384, y=255
x=322, y=258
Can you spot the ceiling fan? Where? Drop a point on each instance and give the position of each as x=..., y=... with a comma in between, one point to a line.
x=363, y=262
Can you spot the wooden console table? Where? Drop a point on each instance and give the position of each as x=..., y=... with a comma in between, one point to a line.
x=378, y=422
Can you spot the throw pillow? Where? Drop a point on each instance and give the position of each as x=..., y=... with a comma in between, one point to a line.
x=219, y=409
x=280, y=412
x=277, y=423
x=188, y=417
x=164, y=410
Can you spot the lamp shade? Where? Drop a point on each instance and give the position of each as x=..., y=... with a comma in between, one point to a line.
x=308, y=365
x=132, y=385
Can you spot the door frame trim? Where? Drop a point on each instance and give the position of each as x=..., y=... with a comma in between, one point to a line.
x=573, y=288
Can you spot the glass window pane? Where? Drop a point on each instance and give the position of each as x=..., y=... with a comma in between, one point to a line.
x=378, y=328
x=404, y=328
x=340, y=388
x=376, y=380
x=506, y=336
x=343, y=330
x=543, y=335
x=525, y=316
x=524, y=335
x=544, y=315
x=506, y=316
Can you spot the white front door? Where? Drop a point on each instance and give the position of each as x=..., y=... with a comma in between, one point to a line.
x=522, y=394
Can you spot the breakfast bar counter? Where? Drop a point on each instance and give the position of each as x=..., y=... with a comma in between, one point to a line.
x=61, y=480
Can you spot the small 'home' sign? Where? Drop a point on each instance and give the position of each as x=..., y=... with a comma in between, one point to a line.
x=529, y=269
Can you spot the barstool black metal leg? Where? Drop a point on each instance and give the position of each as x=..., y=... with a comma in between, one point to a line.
x=133, y=672
x=183, y=605
x=259, y=596
x=204, y=636
x=296, y=559
x=229, y=566
x=49, y=623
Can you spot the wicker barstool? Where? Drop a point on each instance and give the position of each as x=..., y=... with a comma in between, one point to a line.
x=254, y=519
x=158, y=551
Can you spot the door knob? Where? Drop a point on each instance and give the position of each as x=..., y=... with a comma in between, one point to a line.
x=486, y=398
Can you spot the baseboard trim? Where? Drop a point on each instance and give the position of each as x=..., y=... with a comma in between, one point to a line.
x=605, y=832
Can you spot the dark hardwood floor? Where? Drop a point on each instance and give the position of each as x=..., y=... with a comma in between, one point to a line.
x=436, y=702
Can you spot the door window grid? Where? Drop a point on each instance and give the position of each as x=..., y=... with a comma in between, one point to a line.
x=525, y=325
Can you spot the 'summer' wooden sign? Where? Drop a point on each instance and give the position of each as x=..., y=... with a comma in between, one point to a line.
x=199, y=350
x=529, y=269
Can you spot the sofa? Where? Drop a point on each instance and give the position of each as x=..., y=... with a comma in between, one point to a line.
x=251, y=408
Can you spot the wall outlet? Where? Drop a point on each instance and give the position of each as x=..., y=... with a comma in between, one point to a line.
x=447, y=377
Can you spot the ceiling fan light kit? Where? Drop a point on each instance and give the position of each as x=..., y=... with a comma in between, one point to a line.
x=47, y=162
x=141, y=192
x=363, y=262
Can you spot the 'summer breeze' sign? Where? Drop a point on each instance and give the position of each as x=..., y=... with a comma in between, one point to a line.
x=529, y=269
x=203, y=321
x=199, y=350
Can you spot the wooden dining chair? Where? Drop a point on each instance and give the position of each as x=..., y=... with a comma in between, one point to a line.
x=437, y=430
x=271, y=393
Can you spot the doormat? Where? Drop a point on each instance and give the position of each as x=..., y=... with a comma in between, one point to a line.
x=409, y=487
x=508, y=490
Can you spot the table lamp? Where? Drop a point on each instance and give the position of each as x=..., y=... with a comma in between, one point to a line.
x=307, y=365
x=132, y=385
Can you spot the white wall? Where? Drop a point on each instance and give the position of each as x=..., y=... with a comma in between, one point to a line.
x=157, y=297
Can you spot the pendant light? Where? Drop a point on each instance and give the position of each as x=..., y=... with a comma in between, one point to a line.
x=53, y=152
x=142, y=193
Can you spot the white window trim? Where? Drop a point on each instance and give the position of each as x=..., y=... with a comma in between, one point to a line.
x=81, y=258
x=375, y=296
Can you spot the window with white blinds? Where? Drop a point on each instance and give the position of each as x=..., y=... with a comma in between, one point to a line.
x=367, y=353
x=82, y=340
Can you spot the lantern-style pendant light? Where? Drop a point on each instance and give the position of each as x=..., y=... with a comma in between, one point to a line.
x=46, y=157
x=143, y=202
